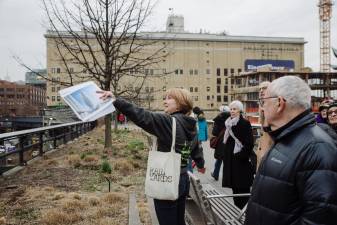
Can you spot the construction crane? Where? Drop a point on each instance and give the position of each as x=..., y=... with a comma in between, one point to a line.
x=325, y=7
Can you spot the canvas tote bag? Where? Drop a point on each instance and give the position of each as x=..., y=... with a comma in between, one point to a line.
x=163, y=171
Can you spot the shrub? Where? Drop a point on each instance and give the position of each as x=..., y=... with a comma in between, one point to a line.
x=106, y=167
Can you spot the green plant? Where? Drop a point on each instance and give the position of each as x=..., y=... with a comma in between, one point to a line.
x=106, y=167
x=135, y=145
x=83, y=155
x=100, y=141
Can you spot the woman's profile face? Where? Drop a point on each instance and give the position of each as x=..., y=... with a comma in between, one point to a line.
x=235, y=112
x=170, y=105
x=324, y=113
x=332, y=115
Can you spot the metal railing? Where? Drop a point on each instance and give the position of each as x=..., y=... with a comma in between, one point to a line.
x=21, y=146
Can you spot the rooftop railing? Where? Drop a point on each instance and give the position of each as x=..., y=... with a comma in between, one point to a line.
x=17, y=148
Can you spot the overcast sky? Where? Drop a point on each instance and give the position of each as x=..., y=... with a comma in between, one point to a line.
x=21, y=25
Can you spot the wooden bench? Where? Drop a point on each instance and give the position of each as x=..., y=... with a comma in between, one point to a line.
x=215, y=208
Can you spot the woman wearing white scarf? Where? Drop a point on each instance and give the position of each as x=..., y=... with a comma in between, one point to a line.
x=238, y=172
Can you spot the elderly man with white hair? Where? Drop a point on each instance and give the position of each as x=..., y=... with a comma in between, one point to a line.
x=297, y=180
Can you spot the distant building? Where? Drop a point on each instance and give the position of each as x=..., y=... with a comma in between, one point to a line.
x=203, y=63
x=33, y=78
x=322, y=84
x=21, y=100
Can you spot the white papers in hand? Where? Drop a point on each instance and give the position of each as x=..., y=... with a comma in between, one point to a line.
x=85, y=102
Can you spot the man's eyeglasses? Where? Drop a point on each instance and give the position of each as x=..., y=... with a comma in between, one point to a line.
x=332, y=111
x=261, y=100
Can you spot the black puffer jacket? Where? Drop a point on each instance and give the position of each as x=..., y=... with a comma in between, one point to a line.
x=160, y=125
x=297, y=180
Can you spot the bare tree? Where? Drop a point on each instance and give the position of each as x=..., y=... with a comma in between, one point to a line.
x=104, y=38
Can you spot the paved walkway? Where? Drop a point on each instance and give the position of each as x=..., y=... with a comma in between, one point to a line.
x=209, y=164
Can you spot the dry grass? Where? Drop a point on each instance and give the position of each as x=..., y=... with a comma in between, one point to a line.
x=124, y=166
x=57, y=217
x=74, y=160
x=114, y=197
x=73, y=205
x=91, y=159
x=2, y=221
x=64, y=189
x=94, y=201
x=144, y=213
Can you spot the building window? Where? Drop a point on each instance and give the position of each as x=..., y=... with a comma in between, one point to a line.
x=239, y=71
x=176, y=71
x=208, y=97
x=218, y=71
x=232, y=81
x=58, y=88
x=218, y=80
x=196, y=89
x=191, y=89
x=196, y=98
x=225, y=89
x=208, y=71
x=71, y=70
x=164, y=88
x=53, y=89
x=225, y=98
x=218, y=98
x=232, y=71
x=181, y=71
x=208, y=89
x=58, y=98
x=58, y=70
x=195, y=72
x=218, y=89
x=53, y=98
x=225, y=72
x=191, y=72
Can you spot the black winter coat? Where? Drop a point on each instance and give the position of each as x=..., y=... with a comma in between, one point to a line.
x=160, y=125
x=238, y=171
x=297, y=180
x=219, y=124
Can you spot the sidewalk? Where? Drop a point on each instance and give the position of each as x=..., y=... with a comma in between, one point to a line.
x=209, y=164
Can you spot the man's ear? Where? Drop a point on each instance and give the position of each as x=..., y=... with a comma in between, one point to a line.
x=281, y=104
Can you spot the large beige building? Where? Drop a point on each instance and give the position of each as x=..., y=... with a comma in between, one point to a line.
x=205, y=64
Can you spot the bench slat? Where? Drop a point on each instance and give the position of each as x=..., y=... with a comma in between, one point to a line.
x=217, y=210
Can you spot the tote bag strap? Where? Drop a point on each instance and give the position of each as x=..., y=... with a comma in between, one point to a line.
x=154, y=143
x=173, y=145
x=174, y=129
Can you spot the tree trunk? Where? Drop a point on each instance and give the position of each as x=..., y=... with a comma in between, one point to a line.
x=108, y=141
x=116, y=121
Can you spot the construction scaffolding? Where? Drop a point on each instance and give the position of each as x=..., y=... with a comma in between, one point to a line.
x=325, y=7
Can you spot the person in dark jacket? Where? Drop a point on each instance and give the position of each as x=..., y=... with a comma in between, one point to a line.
x=238, y=171
x=322, y=115
x=178, y=104
x=297, y=179
x=218, y=129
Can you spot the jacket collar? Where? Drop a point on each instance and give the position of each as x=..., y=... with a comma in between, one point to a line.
x=302, y=120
